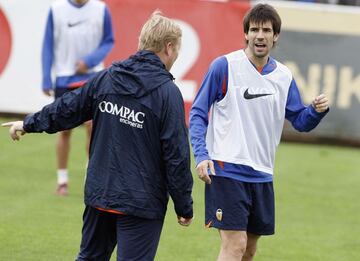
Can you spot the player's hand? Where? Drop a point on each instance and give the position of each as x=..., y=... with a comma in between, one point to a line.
x=48, y=92
x=15, y=127
x=81, y=67
x=203, y=170
x=321, y=103
x=184, y=221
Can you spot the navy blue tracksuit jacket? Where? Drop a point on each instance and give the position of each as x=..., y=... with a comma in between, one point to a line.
x=139, y=150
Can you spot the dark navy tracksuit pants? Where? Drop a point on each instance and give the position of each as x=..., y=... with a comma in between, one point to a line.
x=136, y=238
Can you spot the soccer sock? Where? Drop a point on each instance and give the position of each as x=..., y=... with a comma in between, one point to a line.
x=62, y=176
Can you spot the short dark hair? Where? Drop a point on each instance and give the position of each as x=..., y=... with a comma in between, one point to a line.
x=262, y=13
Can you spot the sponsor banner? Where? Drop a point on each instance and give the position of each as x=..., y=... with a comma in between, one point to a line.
x=5, y=43
x=22, y=25
x=321, y=52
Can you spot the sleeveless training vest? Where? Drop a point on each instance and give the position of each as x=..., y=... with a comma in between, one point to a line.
x=78, y=31
x=245, y=126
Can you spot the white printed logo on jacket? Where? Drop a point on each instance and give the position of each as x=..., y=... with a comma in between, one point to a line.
x=127, y=115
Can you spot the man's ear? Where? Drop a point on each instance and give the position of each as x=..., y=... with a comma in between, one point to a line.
x=246, y=37
x=168, y=48
x=276, y=37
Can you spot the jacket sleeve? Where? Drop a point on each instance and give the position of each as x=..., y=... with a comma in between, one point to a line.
x=66, y=112
x=176, y=152
x=303, y=118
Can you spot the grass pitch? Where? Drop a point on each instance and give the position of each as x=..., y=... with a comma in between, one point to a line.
x=317, y=206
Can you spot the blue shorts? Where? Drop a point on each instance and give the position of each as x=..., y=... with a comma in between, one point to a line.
x=136, y=238
x=234, y=205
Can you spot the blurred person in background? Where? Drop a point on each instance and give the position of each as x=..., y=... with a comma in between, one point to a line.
x=139, y=151
x=333, y=2
x=349, y=2
x=250, y=95
x=78, y=36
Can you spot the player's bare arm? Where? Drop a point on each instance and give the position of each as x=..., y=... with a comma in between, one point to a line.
x=321, y=103
x=16, y=127
x=203, y=170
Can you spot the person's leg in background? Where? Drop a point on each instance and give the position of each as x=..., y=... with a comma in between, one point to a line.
x=88, y=126
x=62, y=153
x=63, y=150
x=62, y=156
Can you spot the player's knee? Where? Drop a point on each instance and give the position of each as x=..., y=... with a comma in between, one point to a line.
x=235, y=247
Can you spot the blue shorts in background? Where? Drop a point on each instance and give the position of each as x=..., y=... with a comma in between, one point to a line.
x=234, y=205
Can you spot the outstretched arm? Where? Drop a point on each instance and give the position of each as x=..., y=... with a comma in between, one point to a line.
x=67, y=112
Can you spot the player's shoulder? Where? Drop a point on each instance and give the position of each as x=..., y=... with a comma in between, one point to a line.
x=170, y=88
x=169, y=91
x=238, y=55
x=60, y=3
x=223, y=60
x=66, y=3
x=283, y=68
x=219, y=64
x=97, y=4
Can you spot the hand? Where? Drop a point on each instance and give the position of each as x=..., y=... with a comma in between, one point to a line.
x=321, y=103
x=48, y=92
x=15, y=127
x=184, y=221
x=81, y=67
x=203, y=168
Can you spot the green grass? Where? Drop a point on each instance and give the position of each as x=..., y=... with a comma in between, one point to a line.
x=317, y=206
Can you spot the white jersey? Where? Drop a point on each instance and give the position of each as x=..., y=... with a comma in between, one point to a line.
x=77, y=32
x=245, y=126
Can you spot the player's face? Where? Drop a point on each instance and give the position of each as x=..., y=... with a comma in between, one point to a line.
x=260, y=39
x=80, y=2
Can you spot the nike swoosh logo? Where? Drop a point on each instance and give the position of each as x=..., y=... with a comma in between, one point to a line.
x=75, y=24
x=249, y=96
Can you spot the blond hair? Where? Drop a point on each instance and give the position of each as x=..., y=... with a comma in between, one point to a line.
x=157, y=32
